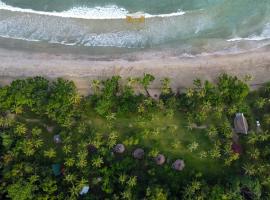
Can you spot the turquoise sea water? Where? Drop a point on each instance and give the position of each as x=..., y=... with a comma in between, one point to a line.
x=190, y=25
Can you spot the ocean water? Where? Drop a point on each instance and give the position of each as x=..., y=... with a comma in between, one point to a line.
x=190, y=26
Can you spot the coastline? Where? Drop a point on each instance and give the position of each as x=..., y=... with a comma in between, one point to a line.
x=181, y=70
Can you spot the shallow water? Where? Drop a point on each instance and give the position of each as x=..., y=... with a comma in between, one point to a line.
x=188, y=26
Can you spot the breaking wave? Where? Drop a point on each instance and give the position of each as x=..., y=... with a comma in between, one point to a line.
x=107, y=12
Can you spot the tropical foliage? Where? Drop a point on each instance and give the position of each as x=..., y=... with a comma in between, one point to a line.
x=53, y=141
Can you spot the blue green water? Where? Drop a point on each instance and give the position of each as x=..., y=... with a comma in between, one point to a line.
x=208, y=25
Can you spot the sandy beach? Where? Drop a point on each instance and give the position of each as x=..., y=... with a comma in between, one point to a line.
x=182, y=71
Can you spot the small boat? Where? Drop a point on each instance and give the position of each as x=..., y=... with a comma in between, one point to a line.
x=137, y=17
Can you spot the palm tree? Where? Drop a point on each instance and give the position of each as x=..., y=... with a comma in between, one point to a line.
x=70, y=162
x=212, y=132
x=36, y=131
x=20, y=129
x=254, y=153
x=97, y=162
x=193, y=146
x=96, y=85
x=260, y=102
x=67, y=148
x=70, y=178
x=122, y=179
x=132, y=182
x=38, y=143
x=51, y=153
x=28, y=148
x=165, y=89
x=146, y=81
x=132, y=81
x=250, y=169
x=81, y=163
x=17, y=109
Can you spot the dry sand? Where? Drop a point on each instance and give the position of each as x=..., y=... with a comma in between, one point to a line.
x=182, y=71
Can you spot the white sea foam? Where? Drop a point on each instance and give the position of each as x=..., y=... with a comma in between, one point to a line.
x=107, y=12
x=263, y=36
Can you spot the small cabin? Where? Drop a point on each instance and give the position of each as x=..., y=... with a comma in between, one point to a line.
x=240, y=123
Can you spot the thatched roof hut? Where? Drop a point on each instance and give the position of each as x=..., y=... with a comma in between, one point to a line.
x=119, y=148
x=57, y=139
x=91, y=149
x=160, y=159
x=178, y=165
x=240, y=123
x=138, y=153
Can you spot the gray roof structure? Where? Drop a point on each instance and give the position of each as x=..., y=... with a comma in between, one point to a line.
x=240, y=123
x=138, y=153
x=178, y=165
x=160, y=159
x=119, y=148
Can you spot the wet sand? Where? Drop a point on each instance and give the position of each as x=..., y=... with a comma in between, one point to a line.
x=82, y=69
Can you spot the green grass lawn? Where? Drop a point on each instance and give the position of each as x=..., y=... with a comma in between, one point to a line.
x=159, y=134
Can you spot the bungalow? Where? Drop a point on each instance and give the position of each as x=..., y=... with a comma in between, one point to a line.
x=240, y=123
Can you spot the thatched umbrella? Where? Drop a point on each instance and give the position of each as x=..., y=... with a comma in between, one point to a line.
x=160, y=159
x=138, y=153
x=91, y=149
x=119, y=148
x=178, y=165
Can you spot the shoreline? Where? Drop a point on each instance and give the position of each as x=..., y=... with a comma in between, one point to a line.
x=182, y=71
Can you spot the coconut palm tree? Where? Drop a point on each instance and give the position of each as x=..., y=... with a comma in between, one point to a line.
x=51, y=153
x=69, y=162
x=97, y=161
x=20, y=130
x=67, y=148
x=17, y=109
x=132, y=182
x=254, y=153
x=96, y=86
x=70, y=178
x=28, y=148
x=250, y=169
x=38, y=143
x=193, y=146
x=36, y=131
x=122, y=179
x=165, y=89
x=146, y=81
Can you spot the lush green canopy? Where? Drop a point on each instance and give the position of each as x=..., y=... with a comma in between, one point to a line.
x=195, y=126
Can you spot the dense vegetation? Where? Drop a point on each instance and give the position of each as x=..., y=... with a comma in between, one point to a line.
x=195, y=125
